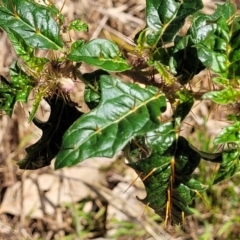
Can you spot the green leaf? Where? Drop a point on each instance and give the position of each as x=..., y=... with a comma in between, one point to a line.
x=184, y=106
x=101, y=53
x=160, y=139
x=16, y=90
x=19, y=78
x=185, y=9
x=184, y=61
x=229, y=134
x=32, y=22
x=229, y=166
x=91, y=98
x=92, y=92
x=225, y=96
x=55, y=12
x=221, y=81
x=164, y=20
x=212, y=48
x=78, y=25
x=186, y=159
x=216, y=39
x=234, y=61
x=164, y=73
x=26, y=52
x=21, y=82
x=234, y=117
x=211, y=59
x=7, y=96
x=47, y=147
x=166, y=174
x=77, y=44
x=216, y=23
x=125, y=111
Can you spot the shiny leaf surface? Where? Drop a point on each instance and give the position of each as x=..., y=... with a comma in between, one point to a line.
x=125, y=111
x=31, y=22
x=164, y=19
x=166, y=174
x=101, y=53
x=15, y=90
x=229, y=166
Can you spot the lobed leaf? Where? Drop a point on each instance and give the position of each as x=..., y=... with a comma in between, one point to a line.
x=164, y=20
x=229, y=134
x=184, y=61
x=125, y=111
x=208, y=44
x=166, y=174
x=229, y=166
x=47, y=147
x=216, y=23
x=225, y=96
x=216, y=41
x=167, y=167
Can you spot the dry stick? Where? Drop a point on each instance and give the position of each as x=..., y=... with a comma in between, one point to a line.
x=21, y=204
x=107, y=195
x=121, y=16
x=40, y=193
x=131, y=184
x=5, y=229
x=191, y=125
x=100, y=27
x=137, y=8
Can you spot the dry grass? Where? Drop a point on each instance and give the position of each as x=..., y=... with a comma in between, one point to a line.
x=87, y=201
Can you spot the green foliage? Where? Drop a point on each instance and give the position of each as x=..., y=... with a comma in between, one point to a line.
x=32, y=22
x=125, y=116
x=165, y=18
x=78, y=25
x=106, y=130
x=16, y=90
x=166, y=174
x=101, y=53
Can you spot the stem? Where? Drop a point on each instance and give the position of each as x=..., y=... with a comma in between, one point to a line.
x=79, y=75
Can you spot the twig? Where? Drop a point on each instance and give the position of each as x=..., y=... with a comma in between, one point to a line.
x=100, y=27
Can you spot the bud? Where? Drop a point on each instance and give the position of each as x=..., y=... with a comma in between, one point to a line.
x=66, y=84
